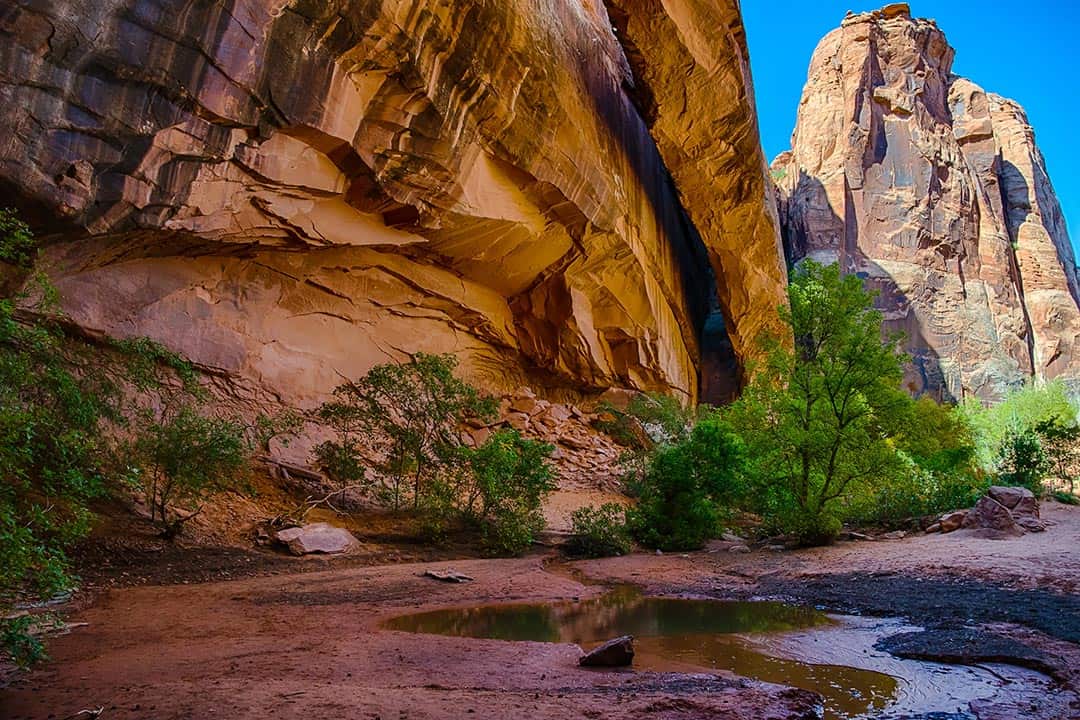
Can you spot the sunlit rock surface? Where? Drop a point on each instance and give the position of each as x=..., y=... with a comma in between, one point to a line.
x=291, y=192
x=936, y=192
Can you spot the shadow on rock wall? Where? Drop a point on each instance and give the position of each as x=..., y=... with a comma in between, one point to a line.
x=812, y=229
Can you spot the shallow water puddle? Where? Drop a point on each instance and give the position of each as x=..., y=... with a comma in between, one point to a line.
x=768, y=641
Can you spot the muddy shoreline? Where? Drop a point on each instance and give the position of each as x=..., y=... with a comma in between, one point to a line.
x=308, y=642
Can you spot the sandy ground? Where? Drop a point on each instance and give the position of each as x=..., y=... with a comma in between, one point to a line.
x=309, y=644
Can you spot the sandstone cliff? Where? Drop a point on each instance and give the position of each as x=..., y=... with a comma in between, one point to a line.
x=290, y=191
x=935, y=191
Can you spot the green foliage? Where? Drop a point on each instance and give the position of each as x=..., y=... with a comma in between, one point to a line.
x=599, y=532
x=1022, y=460
x=183, y=457
x=63, y=405
x=1061, y=443
x=684, y=484
x=407, y=415
x=821, y=421
x=51, y=454
x=1066, y=498
x=510, y=478
x=649, y=419
x=407, y=418
x=17, y=245
x=19, y=637
x=1024, y=408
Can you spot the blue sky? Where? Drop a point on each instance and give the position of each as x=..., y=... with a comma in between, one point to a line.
x=1028, y=51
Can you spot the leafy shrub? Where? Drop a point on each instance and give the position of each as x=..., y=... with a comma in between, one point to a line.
x=1023, y=408
x=1061, y=443
x=599, y=531
x=406, y=414
x=678, y=507
x=649, y=420
x=51, y=454
x=63, y=404
x=1022, y=460
x=17, y=244
x=1066, y=498
x=510, y=478
x=185, y=456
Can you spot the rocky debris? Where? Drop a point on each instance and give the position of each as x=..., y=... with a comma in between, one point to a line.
x=584, y=457
x=739, y=549
x=952, y=520
x=312, y=189
x=317, y=538
x=934, y=191
x=1002, y=512
x=447, y=576
x=618, y=652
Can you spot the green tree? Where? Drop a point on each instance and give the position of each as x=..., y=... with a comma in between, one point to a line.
x=407, y=416
x=822, y=418
x=184, y=456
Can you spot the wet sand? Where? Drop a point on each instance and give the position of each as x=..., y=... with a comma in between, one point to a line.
x=310, y=645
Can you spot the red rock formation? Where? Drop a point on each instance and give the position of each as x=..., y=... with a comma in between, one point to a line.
x=935, y=191
x=290, y=191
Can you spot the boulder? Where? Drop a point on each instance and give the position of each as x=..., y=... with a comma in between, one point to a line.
x=317, y=538
x=1010, y=497
x=989, y=514
x=614, y=653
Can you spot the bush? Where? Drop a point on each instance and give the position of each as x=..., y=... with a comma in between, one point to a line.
x=183, y=458
x=510, y=477
x=599, y=532
x=51, y=453
x=1022, y=460
x=1024, y=408
x=1061, y=443
x=679, y=504
x=407, y=415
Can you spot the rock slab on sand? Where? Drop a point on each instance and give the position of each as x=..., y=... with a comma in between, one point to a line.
x=317, y=538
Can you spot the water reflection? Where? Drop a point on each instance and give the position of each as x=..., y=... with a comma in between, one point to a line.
x=672, y=634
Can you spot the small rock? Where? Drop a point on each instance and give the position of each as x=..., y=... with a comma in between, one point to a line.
x=894, y=535
x=739, y=549
x=935, y=528
x=450, y=576
x=731, y=537
x=614, y=653
x=952, y=520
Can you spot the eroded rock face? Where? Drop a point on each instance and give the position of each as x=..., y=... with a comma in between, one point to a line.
x=693, y=85
x=935, y=191
x=290, y=191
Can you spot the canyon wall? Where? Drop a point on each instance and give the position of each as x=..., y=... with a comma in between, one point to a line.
x=934, y=191
x=290, y=191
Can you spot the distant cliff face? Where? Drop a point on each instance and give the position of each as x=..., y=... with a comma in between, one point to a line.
x=290, y=191
x=935, y=191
